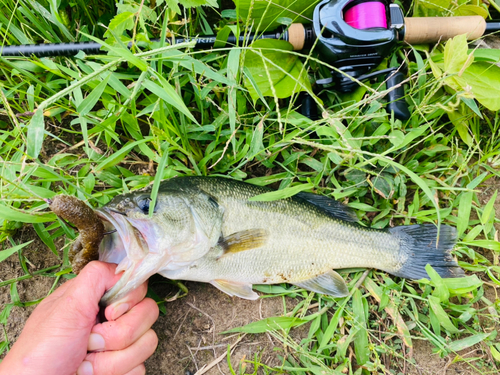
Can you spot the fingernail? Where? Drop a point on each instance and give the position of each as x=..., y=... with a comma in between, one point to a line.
x=85, y=369
x=96, y=342
x=119, y=310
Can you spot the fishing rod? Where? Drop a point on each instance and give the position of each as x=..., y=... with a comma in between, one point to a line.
x=354, y=36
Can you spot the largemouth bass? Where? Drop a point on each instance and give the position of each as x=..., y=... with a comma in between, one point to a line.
x=206, y=229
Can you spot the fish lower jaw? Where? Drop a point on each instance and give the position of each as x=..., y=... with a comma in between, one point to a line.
x=129, y=241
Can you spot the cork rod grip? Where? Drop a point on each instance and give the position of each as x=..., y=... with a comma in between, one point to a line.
x=433, y=29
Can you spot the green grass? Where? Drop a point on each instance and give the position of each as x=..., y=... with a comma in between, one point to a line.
x=98, y=126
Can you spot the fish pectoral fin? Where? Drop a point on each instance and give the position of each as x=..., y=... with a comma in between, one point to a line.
x=330, y=283
x=235, y=289
x=244, y=240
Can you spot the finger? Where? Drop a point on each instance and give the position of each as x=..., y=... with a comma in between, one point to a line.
x=120, y=361
x=120, y=307
x=139, y=370
x=94, y=280
x=123, y=332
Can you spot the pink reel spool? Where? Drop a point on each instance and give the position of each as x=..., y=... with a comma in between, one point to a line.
x=366, y=15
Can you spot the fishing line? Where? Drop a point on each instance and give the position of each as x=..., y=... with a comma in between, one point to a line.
x=366, y=14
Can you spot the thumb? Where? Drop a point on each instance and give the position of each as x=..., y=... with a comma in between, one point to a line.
x=90, y=285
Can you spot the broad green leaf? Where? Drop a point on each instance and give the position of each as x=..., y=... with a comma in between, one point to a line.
x=196, y=66
x=399, y=143
x=274, y=71
x=473, y=233
x=281, y=194
x=461, y=123
x=174, y=4
x=464, y=209
x=436, y=70
x=8, y=213
x=45, y=237
x=36, y=130
x=363, y=207
x=487, y=244
x=14, y=294
x=456, y=58
x=4, y=254
x=90, y=101
x=332, y=327
x=4, y=315
x=167, y=93
x=268, y=324
x=440, y=289
x=462, y=344
x=361, y=339
x=158, y=177
x=462, y=285
x=476, y=181
x=30, y=94
x=233, y=65
x=120, y=50
x=487, y=55
x=120, y=23
x=471, y=103
x=495, y=353
x=222, y=36
x=270, y=289
x=484, y=81
x=115, y=158
x=470, y=10
x=437, y=5
x=488, y=215
x=396, y=137
x=443, y=318
x=267, y=14
x=256, y=146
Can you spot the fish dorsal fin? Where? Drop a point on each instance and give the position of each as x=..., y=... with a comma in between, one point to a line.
x=244, y=240
x=235, y=289
x=330, y=283
x=330, y=206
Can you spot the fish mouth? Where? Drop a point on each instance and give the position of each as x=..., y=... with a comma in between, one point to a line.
x=142, y=247
x=128, y=247
x=123, y=239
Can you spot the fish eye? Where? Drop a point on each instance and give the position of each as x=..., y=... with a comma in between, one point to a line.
x=143, y=204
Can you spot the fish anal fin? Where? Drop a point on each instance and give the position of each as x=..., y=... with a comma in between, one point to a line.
x=244, y=240
x=235, y=289
x=330, y=283
x=330, y=206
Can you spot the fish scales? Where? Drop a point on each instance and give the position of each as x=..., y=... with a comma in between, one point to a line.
x=303, y=241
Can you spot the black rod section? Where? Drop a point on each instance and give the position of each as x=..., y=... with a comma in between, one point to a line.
x=492, y=26
x=92, y=48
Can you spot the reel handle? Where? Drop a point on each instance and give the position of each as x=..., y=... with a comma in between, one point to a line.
x=396, y=98
x=421, y=30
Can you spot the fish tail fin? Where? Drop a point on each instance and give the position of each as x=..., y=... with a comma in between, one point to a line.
x=419, y=248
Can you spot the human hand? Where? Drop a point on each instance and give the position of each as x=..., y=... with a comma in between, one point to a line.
x=62, y=335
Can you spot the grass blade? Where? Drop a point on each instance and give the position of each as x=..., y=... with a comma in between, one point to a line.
x=4, y=254
x=36, y=132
